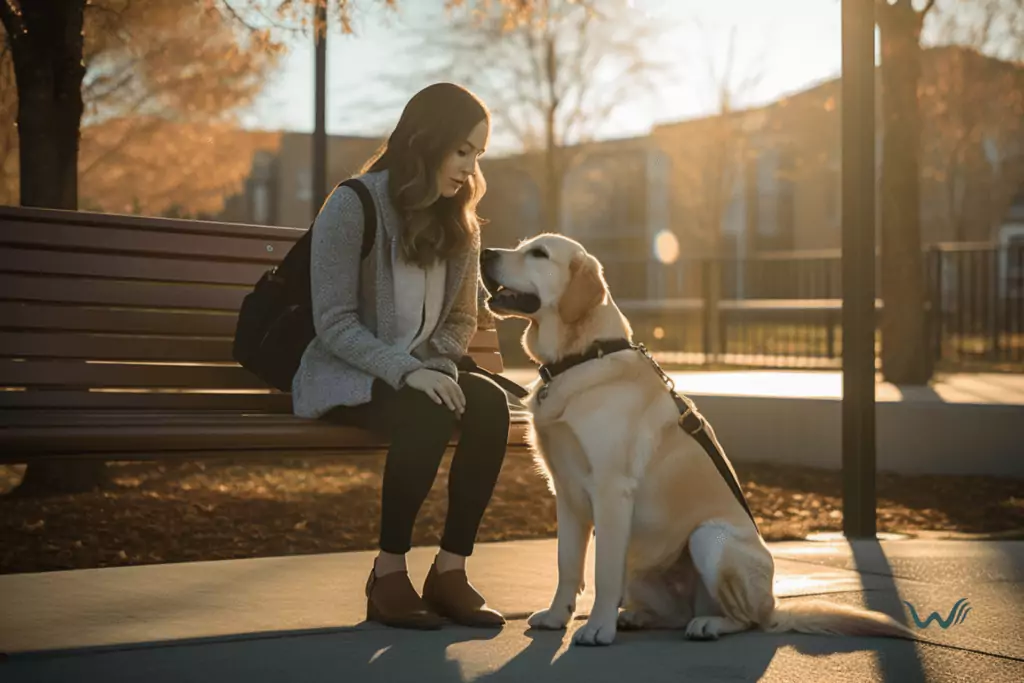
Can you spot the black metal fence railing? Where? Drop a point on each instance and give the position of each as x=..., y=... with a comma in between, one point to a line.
x=980, y=297
x=784, y=310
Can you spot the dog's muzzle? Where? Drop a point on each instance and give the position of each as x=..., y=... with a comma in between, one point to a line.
x=504, y=299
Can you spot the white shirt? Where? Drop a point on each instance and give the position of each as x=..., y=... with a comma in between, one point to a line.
x=419, y=295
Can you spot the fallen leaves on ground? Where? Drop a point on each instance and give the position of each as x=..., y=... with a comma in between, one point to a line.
x=176, y=511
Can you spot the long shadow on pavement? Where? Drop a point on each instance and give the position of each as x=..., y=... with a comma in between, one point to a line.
x=359, y=654
x=650, y=656
x=451, y=655
x=904, y=666
x=654, y=656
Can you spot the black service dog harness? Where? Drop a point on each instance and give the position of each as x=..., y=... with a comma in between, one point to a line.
x=690, y=420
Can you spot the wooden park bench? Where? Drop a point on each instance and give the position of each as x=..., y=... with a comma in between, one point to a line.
x=116, y=335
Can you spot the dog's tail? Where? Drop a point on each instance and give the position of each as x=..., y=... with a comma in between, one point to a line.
x=818, y=616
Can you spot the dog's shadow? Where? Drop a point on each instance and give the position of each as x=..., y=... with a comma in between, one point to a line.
x=395, y=655
x=651, y=655
x=668, y=655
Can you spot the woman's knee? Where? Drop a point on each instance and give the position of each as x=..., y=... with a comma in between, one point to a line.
x=415, y=410
x=485, y=401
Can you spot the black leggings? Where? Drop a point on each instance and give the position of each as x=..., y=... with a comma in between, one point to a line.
x=419, y=431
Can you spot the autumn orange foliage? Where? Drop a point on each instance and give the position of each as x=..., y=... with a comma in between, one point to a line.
x=165, y=82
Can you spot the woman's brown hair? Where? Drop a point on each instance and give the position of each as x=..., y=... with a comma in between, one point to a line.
x=433, y=125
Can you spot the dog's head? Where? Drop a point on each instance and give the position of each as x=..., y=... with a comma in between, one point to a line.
x=546, y=276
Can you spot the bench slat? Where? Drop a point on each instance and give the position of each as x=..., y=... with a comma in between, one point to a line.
x=194, y=439
x=141, y=418
x=351, y=441
x=117, y=375
x=100, y=347
x=184, y=227
x=296, y=437
x=83, y=346
x=129, y=267
x=74, y=318
x=56, y=237
x=112, y=400
x=488, y=360
x=296, y=433
x=187, y=296
x=152, y=322
x=115, y=418
x=485, y=339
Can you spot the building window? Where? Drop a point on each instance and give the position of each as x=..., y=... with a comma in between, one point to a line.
x=304, y=185
x=768, y=187
x=260, y=204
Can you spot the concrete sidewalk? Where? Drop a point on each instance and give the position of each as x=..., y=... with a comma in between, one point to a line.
x=794, y=417
x=300, y=619
x=975, y=388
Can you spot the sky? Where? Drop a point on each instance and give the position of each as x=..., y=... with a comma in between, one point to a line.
x=789, y=44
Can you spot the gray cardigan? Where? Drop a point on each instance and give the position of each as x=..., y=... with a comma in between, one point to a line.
x=354, y=307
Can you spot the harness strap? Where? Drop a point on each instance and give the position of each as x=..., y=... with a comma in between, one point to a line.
x=690, y=419
x=467, y=364
x=697, y=426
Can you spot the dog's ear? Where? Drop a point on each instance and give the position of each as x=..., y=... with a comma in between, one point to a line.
x=585, y=291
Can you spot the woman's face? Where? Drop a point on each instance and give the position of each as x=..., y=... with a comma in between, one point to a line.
x=461, y=164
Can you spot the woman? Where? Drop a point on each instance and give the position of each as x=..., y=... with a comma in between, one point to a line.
x=389, y=329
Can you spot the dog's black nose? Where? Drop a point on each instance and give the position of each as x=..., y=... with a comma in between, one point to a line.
x=488, y=255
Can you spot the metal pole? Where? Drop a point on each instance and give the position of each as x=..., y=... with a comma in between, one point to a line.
x=858, y=207
x=319, y=171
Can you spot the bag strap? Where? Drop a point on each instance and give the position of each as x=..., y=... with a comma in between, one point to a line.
x=369, y=214
x=467, y=364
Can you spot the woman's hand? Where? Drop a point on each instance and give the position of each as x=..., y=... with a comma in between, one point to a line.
x=439, y=387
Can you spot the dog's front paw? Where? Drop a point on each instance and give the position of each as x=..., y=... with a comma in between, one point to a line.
x=552, y=619
x=599, y=630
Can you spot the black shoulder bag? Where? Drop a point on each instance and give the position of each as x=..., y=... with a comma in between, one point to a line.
x=275, y=321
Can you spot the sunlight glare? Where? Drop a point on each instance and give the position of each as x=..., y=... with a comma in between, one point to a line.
x=666, y=247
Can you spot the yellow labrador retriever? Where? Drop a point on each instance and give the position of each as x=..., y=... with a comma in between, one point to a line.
x=674, y=547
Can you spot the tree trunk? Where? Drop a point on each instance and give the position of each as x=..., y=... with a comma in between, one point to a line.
x=552, y=190
x=47, y=47
x=48, y=69
x=48, y=154
x=552, y=152
x=905, y=355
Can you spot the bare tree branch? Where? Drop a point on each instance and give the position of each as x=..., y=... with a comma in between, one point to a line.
x=558, y=61
x=236, y=15
x=551, y=80
x=285, y=9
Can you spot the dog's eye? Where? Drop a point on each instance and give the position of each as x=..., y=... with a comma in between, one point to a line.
x=537, y=253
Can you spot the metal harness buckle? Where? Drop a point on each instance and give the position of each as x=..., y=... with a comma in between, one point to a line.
x=682, y=422
x=669, y=382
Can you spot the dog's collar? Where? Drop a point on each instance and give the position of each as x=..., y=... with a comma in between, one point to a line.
x=599, y=348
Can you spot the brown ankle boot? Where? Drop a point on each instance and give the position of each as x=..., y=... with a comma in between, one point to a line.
x=451, y=595
x=391, y=600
